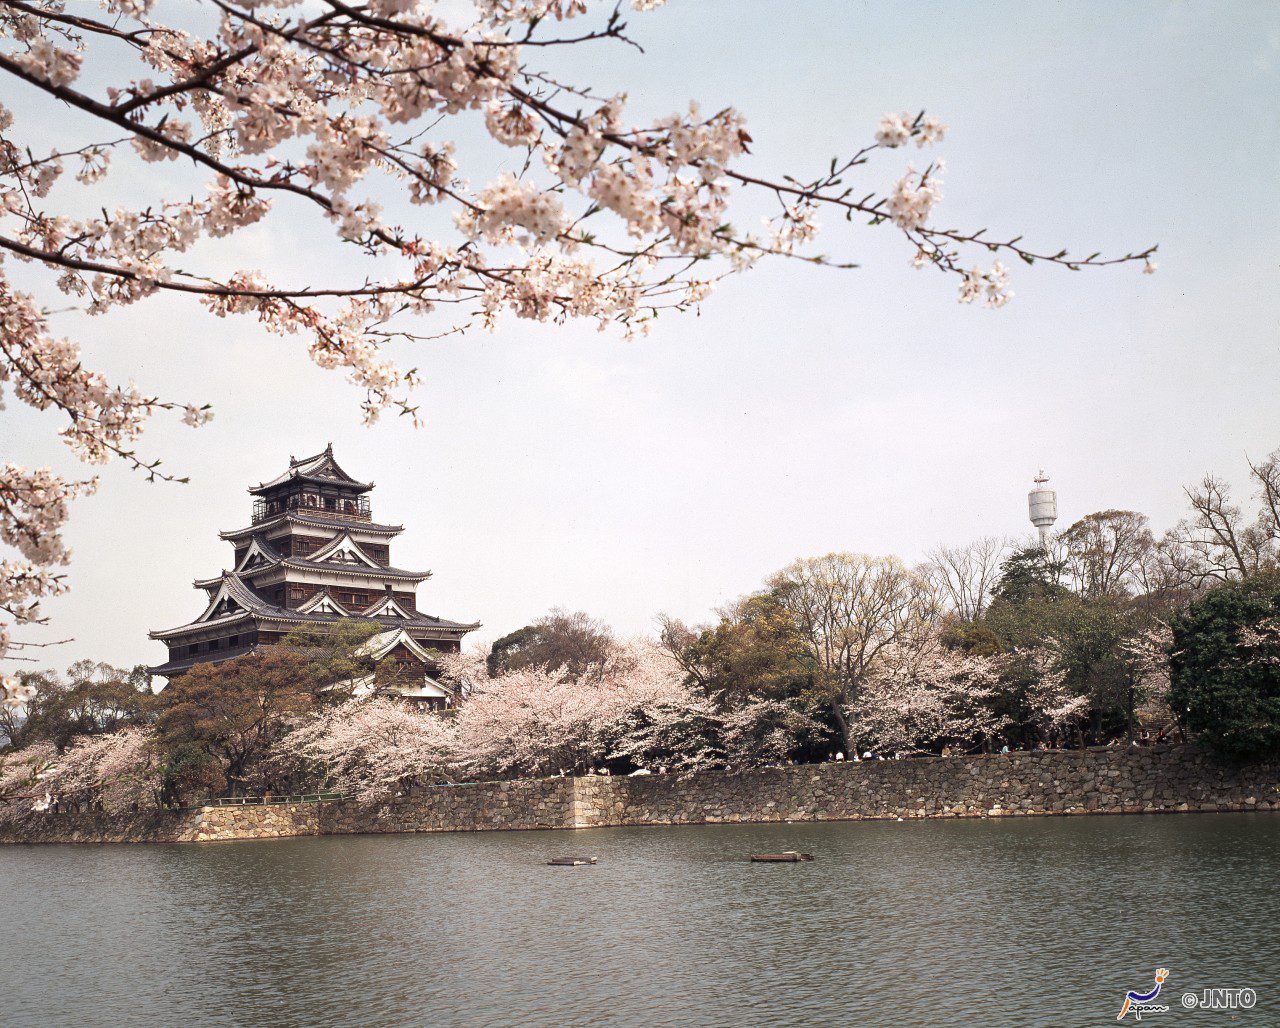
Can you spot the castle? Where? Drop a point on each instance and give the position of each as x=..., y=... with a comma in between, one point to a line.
x=313, y=554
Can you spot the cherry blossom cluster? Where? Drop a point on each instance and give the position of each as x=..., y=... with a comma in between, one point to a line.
x=1147, y=656
x=372, y=748
x=992, y=287
x=116, y=771
x=102, y=421
x=923, y=693
x=538, y=722
x=1050, y=704
x=532, y=721
x=13, y=694
x=308, y=108
x=898, y=129
x=33, y=511
x=1260, y=643
x=912, y=199
x=513, y=211
x=46, y=372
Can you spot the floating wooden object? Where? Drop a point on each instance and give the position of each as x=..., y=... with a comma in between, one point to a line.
x=790, y=857
x=570, y=861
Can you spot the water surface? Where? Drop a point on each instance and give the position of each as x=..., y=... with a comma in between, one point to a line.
x=1033, y=921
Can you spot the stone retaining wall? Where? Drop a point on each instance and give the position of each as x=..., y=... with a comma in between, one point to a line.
x=479, y=807
x=1099, y=781
x=157, y=826
x=272, y=821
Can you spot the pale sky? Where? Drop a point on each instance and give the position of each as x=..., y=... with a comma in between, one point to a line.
x=804, y=410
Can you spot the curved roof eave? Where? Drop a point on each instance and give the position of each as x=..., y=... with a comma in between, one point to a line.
x=197, y=626
x=352, y=486
x=301, y=564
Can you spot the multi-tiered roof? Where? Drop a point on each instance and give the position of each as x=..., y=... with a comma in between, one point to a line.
x=313, y=553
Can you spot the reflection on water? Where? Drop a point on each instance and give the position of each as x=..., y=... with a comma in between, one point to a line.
x=1038, y=921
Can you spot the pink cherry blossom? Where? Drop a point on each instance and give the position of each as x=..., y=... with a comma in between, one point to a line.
x=115, y=771
x=923, y=694
x=371, y=748
x=912, y=199
x=22, y=775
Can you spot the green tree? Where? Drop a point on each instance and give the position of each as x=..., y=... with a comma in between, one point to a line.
x=233, y=713
x=333, y=657
x=976, y=638
x=753, y=668
x=1031, y=572
x=191, y=773
x=1090, y=635
x=1225, y=668
x=219, y=722
x=755, y=651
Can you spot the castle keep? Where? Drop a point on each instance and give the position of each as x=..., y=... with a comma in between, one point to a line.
x=314, y=554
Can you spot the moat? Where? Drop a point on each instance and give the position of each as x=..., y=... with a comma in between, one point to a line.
x=1027, y=921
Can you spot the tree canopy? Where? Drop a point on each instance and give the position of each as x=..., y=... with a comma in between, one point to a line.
x=93, y=698
x=1225, y=667
x=575, y=642
x=220, y=721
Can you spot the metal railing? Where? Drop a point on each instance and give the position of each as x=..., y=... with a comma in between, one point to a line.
x=264, y=801
x=353, y=507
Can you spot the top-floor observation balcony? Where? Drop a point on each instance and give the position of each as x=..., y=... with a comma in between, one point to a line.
x=312, y=502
